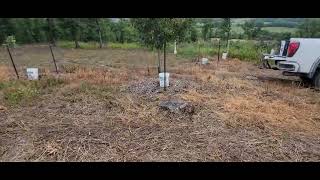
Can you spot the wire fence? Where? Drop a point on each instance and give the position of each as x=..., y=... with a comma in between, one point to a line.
x=40, y=56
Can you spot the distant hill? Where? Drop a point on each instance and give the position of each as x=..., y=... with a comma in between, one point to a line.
x=272, y=22
x=277, y=25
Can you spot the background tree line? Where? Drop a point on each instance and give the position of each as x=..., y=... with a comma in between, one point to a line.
x=104, y=30
x=36, y=30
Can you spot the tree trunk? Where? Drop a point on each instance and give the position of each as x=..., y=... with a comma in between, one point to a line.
x=228, y=38
x=159, y=62
x=76, y=42
x=76, y=30
x=99, y=30
x=164, y=65
x=50, y=31
x=77, y=34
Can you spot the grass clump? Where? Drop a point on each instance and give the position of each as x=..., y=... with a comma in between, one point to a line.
x=247, y=50
x=124, y=46
x=101, y=92
x=18, y=91
x=83, y=45
x=95, y=45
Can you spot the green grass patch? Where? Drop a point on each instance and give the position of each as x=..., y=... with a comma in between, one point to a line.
x=248, y=50
x=124, y=46
x=2, y=85
x=280, y=29
x=18, y=91
x=83, y=45
x=95, y=45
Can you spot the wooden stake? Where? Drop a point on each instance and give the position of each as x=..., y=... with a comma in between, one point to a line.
x=164, y=65
x=53, y=58
x=198, y=51
x=218, y=50
x=14, y=66
x=100, y=36
x=159, y=62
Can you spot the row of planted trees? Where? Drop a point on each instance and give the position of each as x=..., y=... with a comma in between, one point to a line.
x=38, y=30
x=102, y=30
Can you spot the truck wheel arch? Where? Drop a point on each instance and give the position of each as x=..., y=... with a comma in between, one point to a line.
x=314, y=68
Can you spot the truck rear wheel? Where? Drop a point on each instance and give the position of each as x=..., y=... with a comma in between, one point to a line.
x=306, y=80
x=316, y=80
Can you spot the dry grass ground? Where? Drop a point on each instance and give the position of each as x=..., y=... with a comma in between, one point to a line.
x=111, y=113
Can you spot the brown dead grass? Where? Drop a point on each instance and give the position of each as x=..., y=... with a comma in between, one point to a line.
x=276, y=113
x=95, y=118
x=5, y=73
x=98, y=76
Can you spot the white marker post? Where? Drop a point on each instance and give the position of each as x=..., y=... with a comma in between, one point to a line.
x=175, y=47
x=228, y=44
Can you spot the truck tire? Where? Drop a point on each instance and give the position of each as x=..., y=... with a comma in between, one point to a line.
x=305, y=80
x=316, y=80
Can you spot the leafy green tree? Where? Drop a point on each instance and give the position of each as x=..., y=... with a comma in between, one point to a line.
x=206, y=30
x=156, y=32
x=309, y=28
x=226, y=28
x=251, y=30
x=6, y=28
x=73, y=25
x=193, y=34
x=51, y=30
x=99, y=31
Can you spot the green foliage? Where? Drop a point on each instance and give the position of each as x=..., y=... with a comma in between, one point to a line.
x=206, y=30
x=15, y=95
x=310, y=28
x=95, y=45
x=193, y=34
x=10, y=41
x=124, y=46
x=17, y=91
x=154, y=32
x=35, y=30
x=247, y=50
x=225, y=28
x=83, y=45
x=251, y=29
x=124, y=31
x=2, y=85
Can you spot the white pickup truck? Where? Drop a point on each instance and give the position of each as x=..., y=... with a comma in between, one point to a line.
x=298, y=57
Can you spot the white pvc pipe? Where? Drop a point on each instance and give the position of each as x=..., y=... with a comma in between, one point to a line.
x=175, y=47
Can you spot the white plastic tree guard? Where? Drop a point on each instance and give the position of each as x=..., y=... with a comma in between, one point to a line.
x=33, y=73
x=161, y=78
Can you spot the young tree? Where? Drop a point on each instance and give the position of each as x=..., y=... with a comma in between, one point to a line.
x=99, y=31
x=206, y=30
x=156, y=32
x=51, y=31
x=72, y=25
x=6, y=28
x=225, y=28
x=149, y=32
x=193, y=34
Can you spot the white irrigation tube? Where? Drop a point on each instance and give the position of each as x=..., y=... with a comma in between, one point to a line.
x=228, y=44
x=175, y=47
